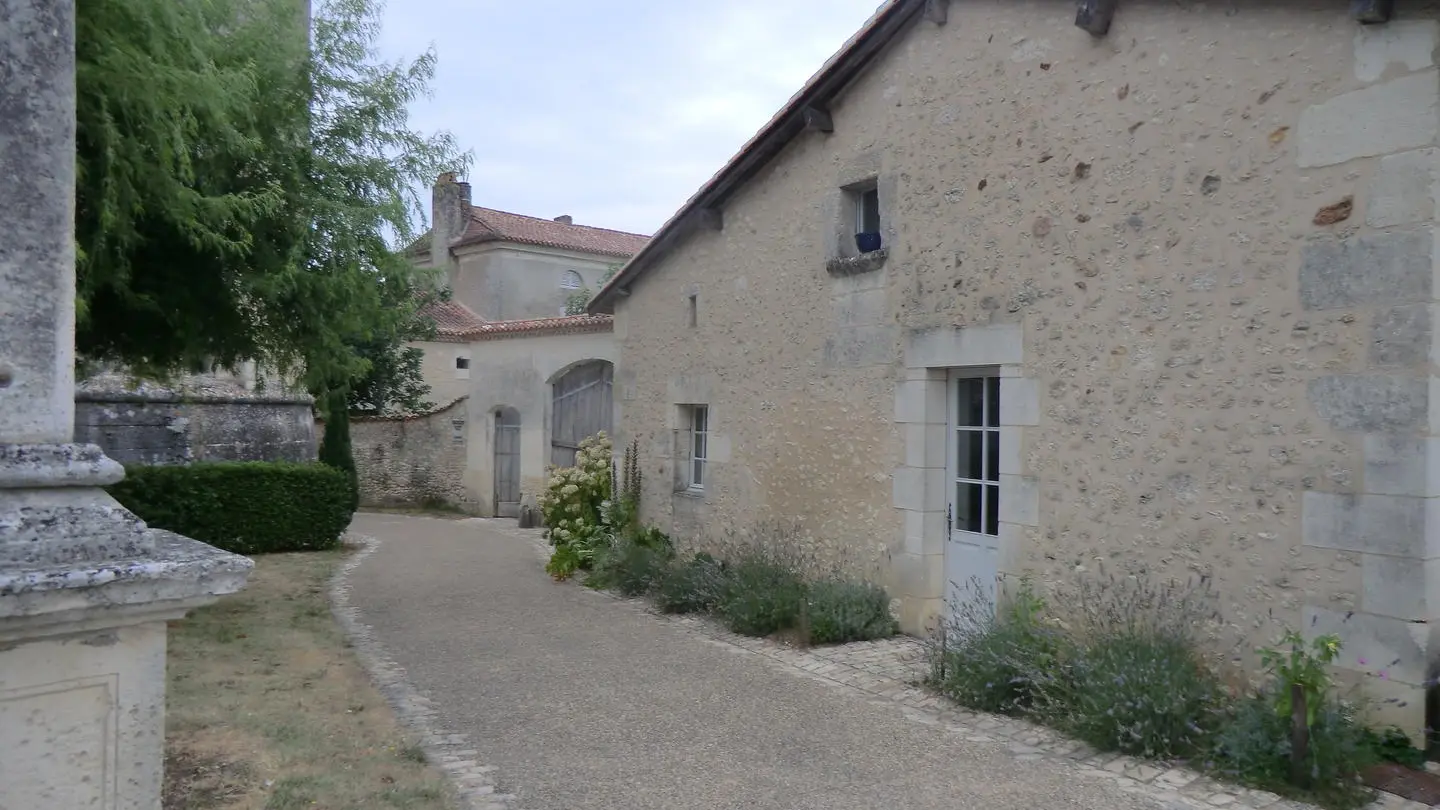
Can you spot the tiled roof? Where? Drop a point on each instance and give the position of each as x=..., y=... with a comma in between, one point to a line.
x=489, y=225
x=452, y=318
x=457, y=323
x=568, y=324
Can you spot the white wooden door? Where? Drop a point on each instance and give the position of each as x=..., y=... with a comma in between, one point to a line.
x=972, y=550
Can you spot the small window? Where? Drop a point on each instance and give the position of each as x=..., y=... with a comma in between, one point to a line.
x=571, y=281
x=462, y=363
x=867, y=211
x=694, y=315
x=699, y=445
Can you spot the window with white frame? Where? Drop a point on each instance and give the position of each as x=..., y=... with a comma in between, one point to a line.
x=699, y=446
x=571, y=281
x=975, y=453
x=867, y=210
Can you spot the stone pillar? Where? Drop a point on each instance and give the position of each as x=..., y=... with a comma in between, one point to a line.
x=85, y=586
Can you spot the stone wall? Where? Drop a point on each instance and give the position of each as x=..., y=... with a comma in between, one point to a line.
x=1199, y=253
x=159, y=429
x=247, y=415
x=413, y=461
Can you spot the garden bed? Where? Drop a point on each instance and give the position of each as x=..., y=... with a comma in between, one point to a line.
x=1119, y=663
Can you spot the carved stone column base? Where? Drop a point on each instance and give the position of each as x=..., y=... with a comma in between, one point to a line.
x=85, y=592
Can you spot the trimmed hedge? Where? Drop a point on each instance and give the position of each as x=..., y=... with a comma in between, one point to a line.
x=247, y=507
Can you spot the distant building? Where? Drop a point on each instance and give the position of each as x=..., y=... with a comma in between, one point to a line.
x=537, y=381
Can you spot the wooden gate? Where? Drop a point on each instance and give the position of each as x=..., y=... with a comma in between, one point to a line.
x=581, y=407
x=507, y=463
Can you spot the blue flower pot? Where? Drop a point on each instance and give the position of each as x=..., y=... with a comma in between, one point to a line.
x=868, y=242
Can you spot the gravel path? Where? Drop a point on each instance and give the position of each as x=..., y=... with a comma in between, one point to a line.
x=566, y=700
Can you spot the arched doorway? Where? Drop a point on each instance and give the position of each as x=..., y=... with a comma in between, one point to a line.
x=507, y=462
x=581, y=406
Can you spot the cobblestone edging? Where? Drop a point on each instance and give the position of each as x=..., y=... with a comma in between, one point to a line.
x=473, y=783
x=887, y=673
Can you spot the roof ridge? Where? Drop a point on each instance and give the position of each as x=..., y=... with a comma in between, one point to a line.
x=833, y=76
x=549, y=318
x=475, y=208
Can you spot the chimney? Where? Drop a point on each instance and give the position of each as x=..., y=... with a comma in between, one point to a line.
x=449, y=216
x=565, y=219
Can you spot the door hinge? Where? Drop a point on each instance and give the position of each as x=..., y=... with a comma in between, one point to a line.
x=949, y=520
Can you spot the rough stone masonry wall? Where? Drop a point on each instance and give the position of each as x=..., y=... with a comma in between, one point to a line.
x=146, y=429
x=1203, y=377
x=416, y=461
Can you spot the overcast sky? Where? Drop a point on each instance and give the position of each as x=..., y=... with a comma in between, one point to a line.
x=612, y=112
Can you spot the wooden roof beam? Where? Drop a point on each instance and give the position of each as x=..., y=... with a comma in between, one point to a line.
x=818, y=120
x=1371, y=11
x=710, y=219
x=1095, y=16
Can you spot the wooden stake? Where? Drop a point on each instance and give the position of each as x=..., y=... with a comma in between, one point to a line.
x=1299, y=737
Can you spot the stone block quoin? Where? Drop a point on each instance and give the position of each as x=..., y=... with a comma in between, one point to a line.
x=1376, y=141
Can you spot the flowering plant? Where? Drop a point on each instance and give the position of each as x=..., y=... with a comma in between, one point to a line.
x=573, y=505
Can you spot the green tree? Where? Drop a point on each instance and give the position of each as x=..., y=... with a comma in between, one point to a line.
x=241, y=195
x=580, y=299
x=335, y=449
x=394, y=382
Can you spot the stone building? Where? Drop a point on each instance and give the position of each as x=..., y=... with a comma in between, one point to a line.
x=1151, y=295
x=536, y=380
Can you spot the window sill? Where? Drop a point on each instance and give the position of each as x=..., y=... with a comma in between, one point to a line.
x=693, y=494
x=857, y=265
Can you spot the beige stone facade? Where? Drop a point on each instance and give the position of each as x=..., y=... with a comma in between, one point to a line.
x=1197, y=253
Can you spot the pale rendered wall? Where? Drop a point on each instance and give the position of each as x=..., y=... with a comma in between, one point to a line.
x=447, y=383
x=517, y=373
x=1200, y=379
x=513, y=282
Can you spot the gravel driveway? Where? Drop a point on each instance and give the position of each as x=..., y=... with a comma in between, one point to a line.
x=579, y=702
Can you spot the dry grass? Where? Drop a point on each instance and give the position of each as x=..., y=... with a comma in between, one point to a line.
x=269, y=710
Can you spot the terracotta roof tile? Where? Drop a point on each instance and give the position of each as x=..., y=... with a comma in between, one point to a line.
x=488, y=224
x=452, y=318
x=568, y=324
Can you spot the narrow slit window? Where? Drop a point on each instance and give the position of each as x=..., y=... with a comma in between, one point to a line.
x=693, y=317
x=699, y=445
x=867, y=211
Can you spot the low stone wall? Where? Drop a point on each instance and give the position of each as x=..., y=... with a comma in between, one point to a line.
x=413, y=461
x=168, y=428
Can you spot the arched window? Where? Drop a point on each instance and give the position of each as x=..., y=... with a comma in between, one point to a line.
x=572, y=281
